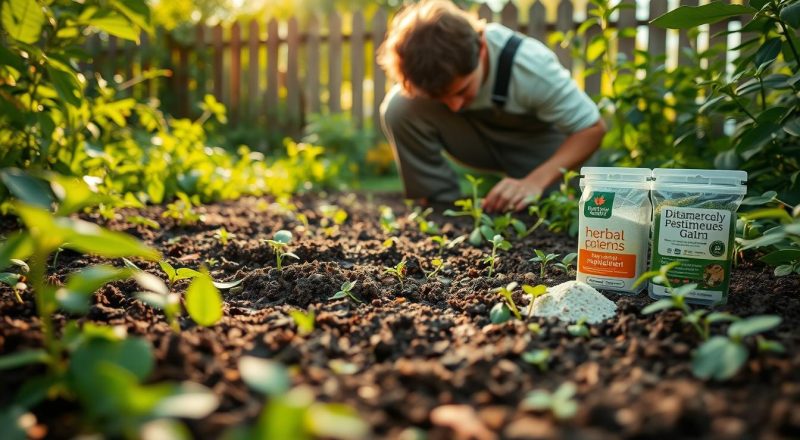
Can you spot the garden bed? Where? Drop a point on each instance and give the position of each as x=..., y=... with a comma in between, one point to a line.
x=408, y=351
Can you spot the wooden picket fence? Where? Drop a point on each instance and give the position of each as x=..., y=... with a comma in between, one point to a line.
x=278, y=74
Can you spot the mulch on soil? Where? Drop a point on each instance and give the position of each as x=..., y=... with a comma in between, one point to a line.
x=429, y=344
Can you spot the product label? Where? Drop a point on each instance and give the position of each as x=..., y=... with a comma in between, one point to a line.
x=700, y=240
x=599, y=205
x=612, y=241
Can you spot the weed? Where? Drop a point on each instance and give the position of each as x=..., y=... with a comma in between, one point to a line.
x=508, y=305
x=561, y=402
x=543, y=260
x=420, y=216
x=472, y=208
x=567, y=262
x=498, y=242
x=183, y=211
x=579, y=329
x=346, y=291
x=388, y=220
x=223, y=236
x=398, y=271
x=279, y=243
x=444, y=243
x=304, y=321
x=437, y=265
x=540, y=358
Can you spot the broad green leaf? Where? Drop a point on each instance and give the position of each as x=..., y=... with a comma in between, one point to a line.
x=331, y=420
x=116, y=25
x=791, y=15
x=67, y=86
x=763, y=241
x=22, y=358
x=132, y=354
x=338, y=295
x=500, y=313
x=136, y=11
x=168, y=269
x=475, y=237
x=10, y=279
x=72, y=194
x=767, y=52
x=283, y=236
x=265, y=376
x=23, y=20
x=662, y=304
x=753, y=325
x=203, y=301
x=184, y=273
x=227, y=284
x=686, y=17
x=781, y=256
x=28, y=189
x=783, y=270
x=188, y=400
x=763, y=199
x=151, y=283
x=88, y=280
x=19, y=246
x=534, y=291
x=792, y=127
x=719, y=358
x=753, y=140
x=285, y=418
x=92, y=239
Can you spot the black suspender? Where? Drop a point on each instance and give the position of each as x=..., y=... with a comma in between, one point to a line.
x=500, y=91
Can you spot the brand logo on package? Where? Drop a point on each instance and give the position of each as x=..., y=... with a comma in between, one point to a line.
x=599, y=205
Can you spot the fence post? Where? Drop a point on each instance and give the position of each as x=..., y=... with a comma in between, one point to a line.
x=334, y=63
x=657, y=37
x=357, y=69
x=218, y=54
x=564, y=24
x=627, y=20
x=292, y=77
x=272, y=73
x=537, y=22
x=236, y=72
x=378, y=75
x=486, y=13
x=509, y=16
x=254, y=62
x=312, y=75
x=201, y=61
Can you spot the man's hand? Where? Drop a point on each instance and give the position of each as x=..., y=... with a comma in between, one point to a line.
x=511, y=195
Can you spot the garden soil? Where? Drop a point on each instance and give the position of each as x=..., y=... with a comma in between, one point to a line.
x=428, y=344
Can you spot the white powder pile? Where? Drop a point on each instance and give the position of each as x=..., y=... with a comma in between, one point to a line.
x=572, y=301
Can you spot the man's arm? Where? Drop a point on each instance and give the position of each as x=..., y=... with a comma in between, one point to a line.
x=513, y=194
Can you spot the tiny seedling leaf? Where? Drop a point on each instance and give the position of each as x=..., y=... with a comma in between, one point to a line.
x=264, y=376
x=203, y=301
x=719, y=358
x=753, y=325
x=227, y=284
x=500, y=313
x=22, y=358
x=662, y=304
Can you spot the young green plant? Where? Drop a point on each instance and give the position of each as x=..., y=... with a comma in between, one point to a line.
x=561, y=402
x=279, y=244
x=498, y=242
x=501, y=312
x=345, y=291
x=398, y=271
x=443, y=243
x=472, y=208
x=543, y=260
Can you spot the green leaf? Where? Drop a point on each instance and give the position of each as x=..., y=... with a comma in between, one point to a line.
x=792, y=127
x=227, y=284
x=753, y=325
x=19, y=246
x=686, y=17
x=754, y=139
x=133, y=355
x=332, y=420
x=168, y=269
x=767, y=52
x=22, y=358
x=117, y=25
x=31, y=190
x=338, y=295
x=74, y=297
x=781, y=256
x=538, y=400
x=791, y=15
x=136, y=11
x=718, y=358
x=92, y=239
x=10, y=279
x=783, y=270
x=67, y=86
x=475, y=237
x=763, y=199
x=720, y=317
x=184, y=273
x=500, y=313
x=187, y=400
x=662, y=304
x=283, y=236
x=757, y=4
x=23, y=20
x=203, y=301
x=265, y=376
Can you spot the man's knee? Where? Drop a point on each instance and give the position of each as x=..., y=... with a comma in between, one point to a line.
x=395, y=110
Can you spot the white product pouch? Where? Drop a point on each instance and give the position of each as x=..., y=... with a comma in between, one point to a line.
x=614, y=227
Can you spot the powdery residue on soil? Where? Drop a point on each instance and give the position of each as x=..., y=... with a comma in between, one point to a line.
x=424, y=354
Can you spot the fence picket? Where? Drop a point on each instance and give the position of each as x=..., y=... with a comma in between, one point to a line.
x=335, y=63
x=537, y=22
x=378, y=75
x=293, y=76
x=253, y=76
x=509, y=16
x=485, y=13
x=357, y=69
x=272, y=73
x=236, y=73
x=657, y=37
x=564, y=23
x=201, y=61
x=627, y=20
x=312, y=74
x=216, y=35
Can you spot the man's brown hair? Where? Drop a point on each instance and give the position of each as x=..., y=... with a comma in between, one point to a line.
x=429, y=45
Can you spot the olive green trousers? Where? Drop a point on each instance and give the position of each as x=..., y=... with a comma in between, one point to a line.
x=420, y=130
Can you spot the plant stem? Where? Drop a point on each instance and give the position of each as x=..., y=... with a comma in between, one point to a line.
x=788, y=38
x=43, y=305
x=763, y=94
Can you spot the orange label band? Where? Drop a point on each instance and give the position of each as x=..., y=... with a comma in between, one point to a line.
x=607, y=264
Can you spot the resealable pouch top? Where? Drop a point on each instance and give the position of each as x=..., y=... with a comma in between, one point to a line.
x=694, y=225
x=614, y=227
